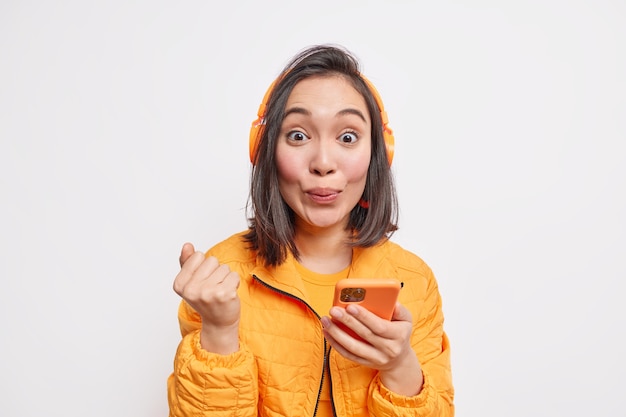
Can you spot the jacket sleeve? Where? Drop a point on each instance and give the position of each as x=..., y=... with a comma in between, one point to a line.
x=208, y=384
x=432, y=347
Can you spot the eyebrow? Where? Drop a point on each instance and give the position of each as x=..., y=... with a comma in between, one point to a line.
x=344, y=112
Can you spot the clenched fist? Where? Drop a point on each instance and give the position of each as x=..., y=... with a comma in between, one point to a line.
x=210, y=288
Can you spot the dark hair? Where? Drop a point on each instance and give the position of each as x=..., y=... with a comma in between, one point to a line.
x=271, y=220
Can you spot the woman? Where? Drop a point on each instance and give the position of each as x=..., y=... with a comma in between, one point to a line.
x=256, y=313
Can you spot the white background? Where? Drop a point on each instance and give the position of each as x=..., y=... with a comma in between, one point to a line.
x=124, y=129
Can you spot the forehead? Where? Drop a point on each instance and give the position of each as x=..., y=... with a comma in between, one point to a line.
x=333, y=91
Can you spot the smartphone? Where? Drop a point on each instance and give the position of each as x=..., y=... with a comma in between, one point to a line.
x=378, y=295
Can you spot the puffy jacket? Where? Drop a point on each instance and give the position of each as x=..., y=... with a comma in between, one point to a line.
x=279, y=367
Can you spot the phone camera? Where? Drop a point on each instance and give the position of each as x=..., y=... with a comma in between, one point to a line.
x=352, y=295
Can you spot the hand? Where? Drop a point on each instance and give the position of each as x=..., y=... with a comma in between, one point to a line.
x=210, y=288
x=386, y=345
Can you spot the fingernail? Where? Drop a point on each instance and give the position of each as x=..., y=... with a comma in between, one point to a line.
x=336, y=312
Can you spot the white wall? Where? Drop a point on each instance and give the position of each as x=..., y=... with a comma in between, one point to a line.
x=123, y=129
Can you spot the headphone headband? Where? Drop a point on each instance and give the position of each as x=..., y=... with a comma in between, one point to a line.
x=256, y=130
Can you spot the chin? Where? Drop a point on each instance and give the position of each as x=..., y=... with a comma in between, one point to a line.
x=326, y=223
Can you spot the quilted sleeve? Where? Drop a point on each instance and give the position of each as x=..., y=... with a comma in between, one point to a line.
x=204, y=383
x=432, y=347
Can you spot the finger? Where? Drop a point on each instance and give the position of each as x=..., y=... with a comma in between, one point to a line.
x=365, y=323
x=344, y=343
x=186, y=251
x=209, y=267
x=226, y=277
x=348, y=325
x=401, y=313
x=333, y=342
x=187, y=271
x=206, y=277
x=221, y=287
x=376, y=326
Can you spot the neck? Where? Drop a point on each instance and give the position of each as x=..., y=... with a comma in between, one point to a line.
x=324, y=251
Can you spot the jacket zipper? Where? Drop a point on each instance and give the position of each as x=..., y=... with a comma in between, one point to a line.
x=326, y=349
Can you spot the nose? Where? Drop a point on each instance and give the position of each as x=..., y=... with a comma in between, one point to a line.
x=323, y=159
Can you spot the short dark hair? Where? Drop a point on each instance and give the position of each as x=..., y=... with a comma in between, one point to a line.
x=271, y=220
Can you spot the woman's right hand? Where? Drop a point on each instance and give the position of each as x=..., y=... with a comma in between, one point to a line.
x=210, y=288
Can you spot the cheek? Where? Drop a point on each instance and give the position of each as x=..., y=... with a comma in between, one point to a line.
x=287, y=170
x=356, y=170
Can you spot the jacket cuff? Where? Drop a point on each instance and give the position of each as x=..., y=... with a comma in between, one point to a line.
x=211, y=384
x=214, y=360
x=390, y=402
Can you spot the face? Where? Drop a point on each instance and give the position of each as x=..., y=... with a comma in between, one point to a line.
x=323, y=151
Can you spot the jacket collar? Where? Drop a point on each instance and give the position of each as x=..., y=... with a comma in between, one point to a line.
x=370, y=262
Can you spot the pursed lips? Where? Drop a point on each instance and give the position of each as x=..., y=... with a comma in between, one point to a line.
x=322, y=195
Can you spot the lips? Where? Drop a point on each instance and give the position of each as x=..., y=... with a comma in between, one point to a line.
x=323, y=195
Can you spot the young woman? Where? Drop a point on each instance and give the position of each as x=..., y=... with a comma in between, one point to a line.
x=260, y=334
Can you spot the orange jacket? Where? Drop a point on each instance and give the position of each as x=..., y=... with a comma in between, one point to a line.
x=279, y=366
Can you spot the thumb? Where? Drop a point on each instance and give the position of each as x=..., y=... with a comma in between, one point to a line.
x=185, y=253
x=401, y=313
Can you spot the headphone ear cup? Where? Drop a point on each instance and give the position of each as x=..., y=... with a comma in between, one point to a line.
x=389, y=143
x=256, y=130
x=387, y=132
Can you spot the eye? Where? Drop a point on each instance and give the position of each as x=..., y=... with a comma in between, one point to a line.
x=348, y=137
x=296, y=136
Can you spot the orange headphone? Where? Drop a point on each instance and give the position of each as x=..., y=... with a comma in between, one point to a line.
x=256, y=129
